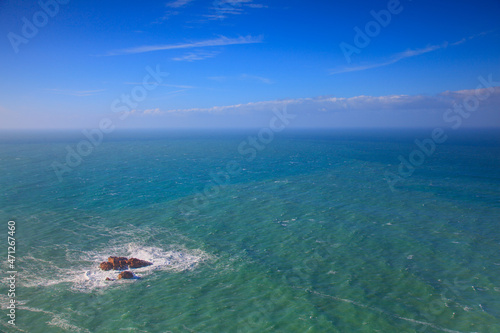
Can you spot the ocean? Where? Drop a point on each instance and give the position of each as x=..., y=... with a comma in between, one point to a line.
x=299, y=231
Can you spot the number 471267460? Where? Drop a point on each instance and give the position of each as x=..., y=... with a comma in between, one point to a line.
x=12, y=243
x=12, y=228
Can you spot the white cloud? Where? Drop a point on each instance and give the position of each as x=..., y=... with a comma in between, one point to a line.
x=393, y=59
x=152, y=111
x=398, y=103
x=178, y=3
x=257, y=78
x=223, y=8
x=241, y=77
x=221, y=41
x=168, y=14
x=164, y=85
x=194, y=56
x=404, y=55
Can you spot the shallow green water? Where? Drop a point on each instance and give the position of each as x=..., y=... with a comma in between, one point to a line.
x=307, y=237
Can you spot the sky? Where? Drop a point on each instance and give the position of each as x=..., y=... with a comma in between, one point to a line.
x=69, y=64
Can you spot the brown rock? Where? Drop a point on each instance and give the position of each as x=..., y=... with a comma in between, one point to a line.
x=118, y=262
x=106, y=266
x=136, y=263
x=126, y=275
x=108, y=279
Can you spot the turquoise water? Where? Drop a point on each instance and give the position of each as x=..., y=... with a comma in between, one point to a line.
x=305, y=237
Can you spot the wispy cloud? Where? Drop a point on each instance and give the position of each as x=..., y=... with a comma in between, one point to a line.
x=178, y=3
x=399, y=103
x=241, y=77
x=223, y=8
x=167, y=15
x=404, y=55
x=79, y=93
x=194, y=56
x=164, y=85
x=257, y=78
x=221, y=41
x=393, y=59
x=174, y=7
x=151, y=111
x=219, y=9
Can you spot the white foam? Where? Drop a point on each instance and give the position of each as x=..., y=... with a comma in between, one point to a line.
x=10, y=327
x=56, y=319
x=419, y=322
x=87, y=275
x=59, y=321
x=4, y=301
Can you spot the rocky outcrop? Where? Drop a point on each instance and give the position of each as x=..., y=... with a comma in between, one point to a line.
x=137, y=263
x=122, y=264
x=106, y=266
x=118, y=262
x=126, y=275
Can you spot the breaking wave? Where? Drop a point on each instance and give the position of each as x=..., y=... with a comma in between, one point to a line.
x=86, y=275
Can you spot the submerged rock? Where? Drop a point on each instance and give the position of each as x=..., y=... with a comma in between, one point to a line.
x=126, y=275
x=137, y=263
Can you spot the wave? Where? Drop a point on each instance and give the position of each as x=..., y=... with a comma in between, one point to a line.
x=58, y=320
x=86, y=275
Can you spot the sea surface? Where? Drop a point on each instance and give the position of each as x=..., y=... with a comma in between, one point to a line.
x=299, y=231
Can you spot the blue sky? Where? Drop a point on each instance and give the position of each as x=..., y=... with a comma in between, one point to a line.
x=229, y=63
